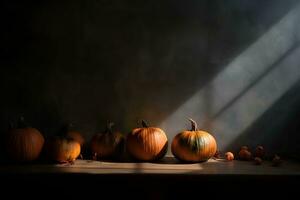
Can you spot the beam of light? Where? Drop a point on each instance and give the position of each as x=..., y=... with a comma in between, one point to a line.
x=249, y=107
x=256, y=73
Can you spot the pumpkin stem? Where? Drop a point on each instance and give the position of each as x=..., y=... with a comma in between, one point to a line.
x=11, y=125
x=144, y=124
x=109, y=126
x=194, y=125
x=21, y=122
x=65, y=128
x=70, y=126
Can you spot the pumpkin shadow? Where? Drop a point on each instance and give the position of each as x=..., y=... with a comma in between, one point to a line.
x=174, y=160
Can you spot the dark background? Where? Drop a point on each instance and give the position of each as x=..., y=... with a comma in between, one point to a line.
x=87, y=62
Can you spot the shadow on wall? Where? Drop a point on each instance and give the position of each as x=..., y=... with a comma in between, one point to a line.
x=260, y=98
x=247, y=87
x=38, y=109
x=277, y=129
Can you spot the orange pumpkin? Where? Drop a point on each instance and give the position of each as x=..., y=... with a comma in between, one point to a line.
x=147, y=143
x=108, y=144
x=62, y=149
x=194, y=145
x=24, y=143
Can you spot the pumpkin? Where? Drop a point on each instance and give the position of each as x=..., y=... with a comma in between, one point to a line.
x=108, y=144
x=194, y=145
x=259, y=152
x=74, y=134
x=229, y=156
x=24, y=143
x=62, y=149
x=147, y=143
x=244, y=153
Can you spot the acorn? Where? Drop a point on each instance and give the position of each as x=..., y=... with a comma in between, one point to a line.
x=258, y=160
x=259, y=151
x=229, y=156
x=276, y=161
x=244, y=153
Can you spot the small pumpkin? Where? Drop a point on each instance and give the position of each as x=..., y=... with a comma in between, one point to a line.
x=62, y=148
x=147, y=143
x=194, y=145
x=74, y=134
x=24, y=143
x=244, y=153
x=108, y=144
x=229, y=156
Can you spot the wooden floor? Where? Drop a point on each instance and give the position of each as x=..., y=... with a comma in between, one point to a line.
x=167, y=166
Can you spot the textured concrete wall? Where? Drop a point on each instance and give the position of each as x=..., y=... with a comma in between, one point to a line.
x=87, y=62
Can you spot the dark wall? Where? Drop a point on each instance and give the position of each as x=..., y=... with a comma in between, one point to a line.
x=87, y=62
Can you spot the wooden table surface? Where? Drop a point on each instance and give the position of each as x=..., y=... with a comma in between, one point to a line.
x=168, y=165
x=167, y=179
